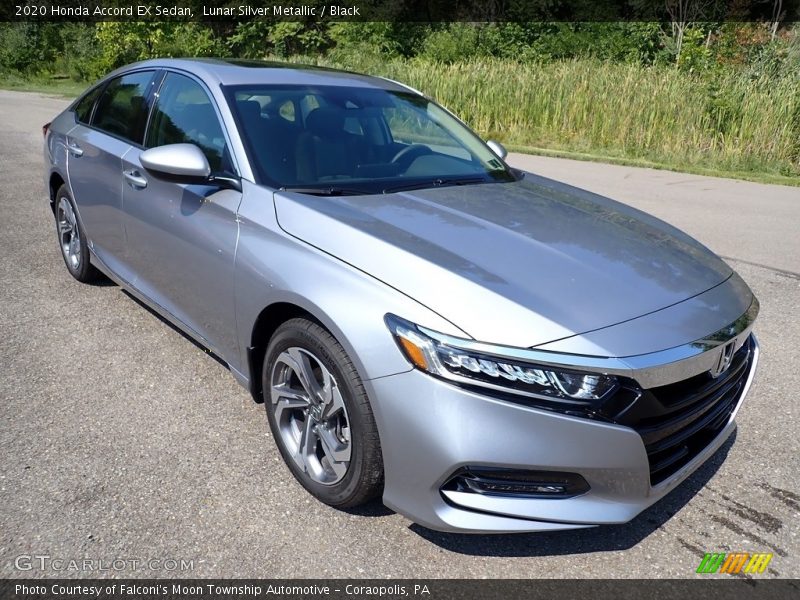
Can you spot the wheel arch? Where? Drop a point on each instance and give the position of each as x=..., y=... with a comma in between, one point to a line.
x=267, y=322
x=54, y=183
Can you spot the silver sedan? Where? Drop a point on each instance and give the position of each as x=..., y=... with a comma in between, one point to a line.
x=487, y=350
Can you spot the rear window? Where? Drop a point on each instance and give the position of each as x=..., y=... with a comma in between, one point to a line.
x=122, y=107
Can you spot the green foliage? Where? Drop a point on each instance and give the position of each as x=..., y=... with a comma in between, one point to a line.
x=49, y=49
x=17, y=53
x=80, y=58
x=537, y=42
x=695, y=53
x=375, y=37
x=457, y=41
x=257, y=39
x=293, y=37
x=621, y=42
x=727, y=121
x=128, y=41
x=774, y=59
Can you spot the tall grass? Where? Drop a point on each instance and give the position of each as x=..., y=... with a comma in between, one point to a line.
x=728, y=122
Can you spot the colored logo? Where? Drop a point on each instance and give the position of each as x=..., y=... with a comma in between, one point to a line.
x=734, y=562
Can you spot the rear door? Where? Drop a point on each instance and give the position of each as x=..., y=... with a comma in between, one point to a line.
x=181, y=239
x=109, y=124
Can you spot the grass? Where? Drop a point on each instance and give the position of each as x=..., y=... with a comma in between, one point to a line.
x=63, y=87
x=729, y=124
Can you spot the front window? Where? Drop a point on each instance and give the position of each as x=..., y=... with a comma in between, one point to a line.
x=349, y=140
x=184, y=114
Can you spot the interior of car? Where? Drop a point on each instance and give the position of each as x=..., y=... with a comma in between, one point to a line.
x=329, y=136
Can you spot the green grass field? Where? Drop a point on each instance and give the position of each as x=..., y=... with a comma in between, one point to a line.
x=66, y=88
x=734, y=125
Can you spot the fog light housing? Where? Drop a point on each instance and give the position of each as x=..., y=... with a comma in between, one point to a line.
x=495, y=481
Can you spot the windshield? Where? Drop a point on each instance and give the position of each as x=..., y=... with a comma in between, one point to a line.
x=350, y=140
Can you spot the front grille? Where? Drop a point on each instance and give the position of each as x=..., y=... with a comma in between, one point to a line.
x=677, y=421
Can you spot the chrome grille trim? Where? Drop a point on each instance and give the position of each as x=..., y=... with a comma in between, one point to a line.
x=687, y=420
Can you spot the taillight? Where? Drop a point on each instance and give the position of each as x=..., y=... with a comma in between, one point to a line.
x=45, y=129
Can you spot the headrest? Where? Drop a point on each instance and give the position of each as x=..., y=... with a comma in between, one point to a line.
x=250, y=110
x=326, y=121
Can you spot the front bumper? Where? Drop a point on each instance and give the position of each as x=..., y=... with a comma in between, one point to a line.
x=430, y=429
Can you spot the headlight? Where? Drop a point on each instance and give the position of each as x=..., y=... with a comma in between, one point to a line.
x=457, y=362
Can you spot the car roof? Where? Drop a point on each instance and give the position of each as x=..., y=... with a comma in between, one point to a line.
x=253, y=72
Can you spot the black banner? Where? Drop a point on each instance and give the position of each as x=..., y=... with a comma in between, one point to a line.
x=401, y=10
x=740, y=588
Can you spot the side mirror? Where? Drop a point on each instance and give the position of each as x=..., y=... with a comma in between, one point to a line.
x=497, y=148
x=184, y=163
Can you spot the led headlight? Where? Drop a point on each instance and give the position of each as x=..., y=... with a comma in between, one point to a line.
x=451, y=359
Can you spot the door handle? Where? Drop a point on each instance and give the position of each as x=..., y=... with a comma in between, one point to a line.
x=135, y=178
x=74, y=149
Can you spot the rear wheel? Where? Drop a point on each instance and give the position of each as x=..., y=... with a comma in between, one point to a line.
x=320, y=415
x=71, y=238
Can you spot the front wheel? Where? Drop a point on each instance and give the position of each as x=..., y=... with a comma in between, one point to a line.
x=320, y=415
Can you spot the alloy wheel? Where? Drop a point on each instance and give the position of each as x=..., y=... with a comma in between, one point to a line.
x=311, y=415
x=69, y=236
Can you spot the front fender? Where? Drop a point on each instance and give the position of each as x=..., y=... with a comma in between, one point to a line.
x=273, y=267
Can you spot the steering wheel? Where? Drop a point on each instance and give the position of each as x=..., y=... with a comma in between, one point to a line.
x=409, y=154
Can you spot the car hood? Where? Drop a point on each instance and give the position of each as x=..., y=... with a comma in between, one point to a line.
x=519, y=264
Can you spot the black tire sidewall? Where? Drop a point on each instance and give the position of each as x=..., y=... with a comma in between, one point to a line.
x=310, y=336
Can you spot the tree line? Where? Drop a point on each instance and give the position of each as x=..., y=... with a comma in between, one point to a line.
x=85, y=51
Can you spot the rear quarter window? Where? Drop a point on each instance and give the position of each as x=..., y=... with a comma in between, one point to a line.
x=84, y=106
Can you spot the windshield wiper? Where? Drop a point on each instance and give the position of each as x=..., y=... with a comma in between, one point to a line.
x=344, y=191
x=324, y=191
x=432, y=183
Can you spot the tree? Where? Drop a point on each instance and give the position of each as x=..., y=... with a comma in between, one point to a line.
x=683, y=14
x=777, y=16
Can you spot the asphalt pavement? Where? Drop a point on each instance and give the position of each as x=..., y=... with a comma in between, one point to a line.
x=122, y=440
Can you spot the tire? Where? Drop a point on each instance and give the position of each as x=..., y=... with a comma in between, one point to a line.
x=320, y=415
x=72, y=239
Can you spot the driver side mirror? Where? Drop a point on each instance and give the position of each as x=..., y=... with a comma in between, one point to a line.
x=184, y=163
x=181, y=163
x=497, y=148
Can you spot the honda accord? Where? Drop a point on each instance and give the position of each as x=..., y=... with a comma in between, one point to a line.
x=487, y=350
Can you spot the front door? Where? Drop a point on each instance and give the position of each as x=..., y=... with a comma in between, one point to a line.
x=181, y=239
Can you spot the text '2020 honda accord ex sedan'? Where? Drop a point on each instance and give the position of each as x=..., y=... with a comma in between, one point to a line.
x=489, y=350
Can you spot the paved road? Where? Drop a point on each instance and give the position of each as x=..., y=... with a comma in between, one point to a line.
x=122, y=439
